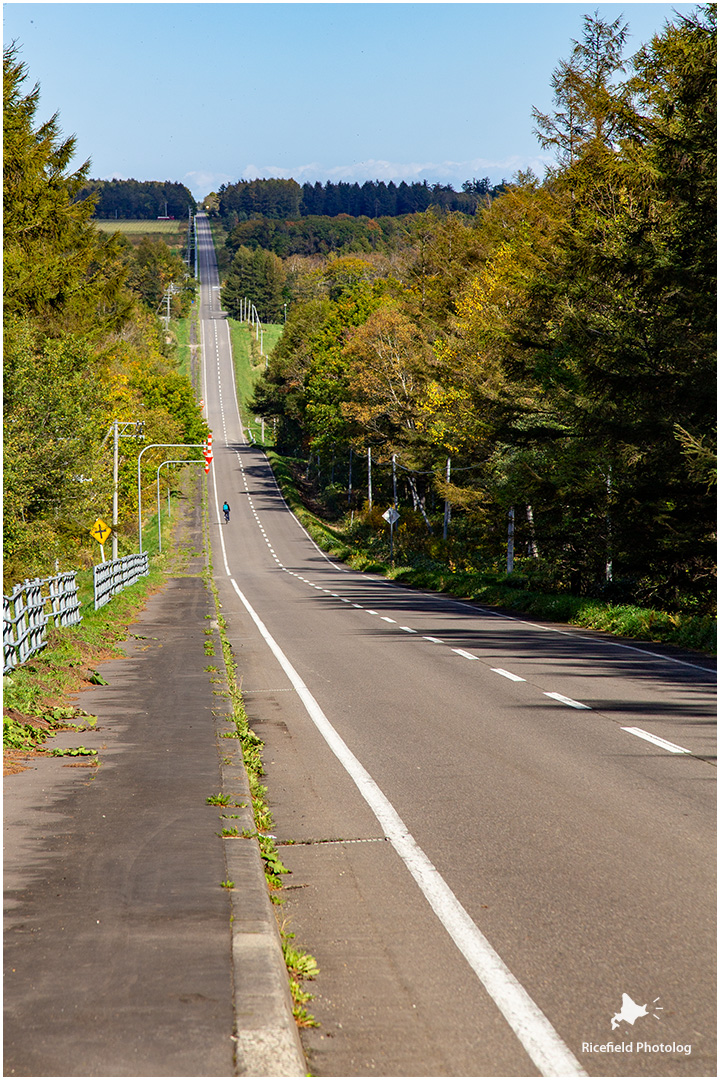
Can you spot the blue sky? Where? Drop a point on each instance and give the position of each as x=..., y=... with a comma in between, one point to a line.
x=211, y=93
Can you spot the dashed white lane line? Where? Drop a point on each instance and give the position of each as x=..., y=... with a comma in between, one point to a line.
x=532, y=1028
x=567, y=701
x=672, y=748
x=507, y=674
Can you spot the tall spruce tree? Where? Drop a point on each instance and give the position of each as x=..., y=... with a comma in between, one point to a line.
x=57, y=267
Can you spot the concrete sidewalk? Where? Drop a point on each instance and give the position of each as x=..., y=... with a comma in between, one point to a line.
x=121, y=956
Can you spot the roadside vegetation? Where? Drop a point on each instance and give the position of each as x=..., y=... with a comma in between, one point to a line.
x=300, y=964
x=539, y=374
x=83, y=346
x=36, y=696
x=361, y=539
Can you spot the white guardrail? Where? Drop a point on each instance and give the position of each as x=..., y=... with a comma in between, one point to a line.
x=28, y=610
x=114, y=576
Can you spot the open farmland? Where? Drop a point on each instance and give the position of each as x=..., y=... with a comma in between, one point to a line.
x=174, y=233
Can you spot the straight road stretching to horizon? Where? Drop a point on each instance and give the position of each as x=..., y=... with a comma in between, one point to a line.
x=501, y=834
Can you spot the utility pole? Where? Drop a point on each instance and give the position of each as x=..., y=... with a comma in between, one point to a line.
x=369, y=479
x=446, y=519
x=118, y=429
x=511, y=540
x=116, y=463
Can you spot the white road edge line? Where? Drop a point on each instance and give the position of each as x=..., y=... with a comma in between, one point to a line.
x=673, y=748
x=533, y=1029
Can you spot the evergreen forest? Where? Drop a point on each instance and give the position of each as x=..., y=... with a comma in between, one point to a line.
x=287, y=200
x=137, y=200
x=546, y=360
x=83, y=346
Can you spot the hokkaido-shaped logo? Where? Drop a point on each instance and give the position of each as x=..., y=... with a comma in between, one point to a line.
x=630, y=1012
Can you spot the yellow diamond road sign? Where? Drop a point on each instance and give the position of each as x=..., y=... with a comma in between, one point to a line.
x=100, y=531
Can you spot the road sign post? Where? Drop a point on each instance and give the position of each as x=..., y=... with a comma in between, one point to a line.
x=391, y=516
x=100, y=532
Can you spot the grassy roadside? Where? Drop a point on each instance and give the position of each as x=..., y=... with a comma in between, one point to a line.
x=301, y=966
x=181, y=329
x=35, y=695
x=248, y=365
x=504, y=591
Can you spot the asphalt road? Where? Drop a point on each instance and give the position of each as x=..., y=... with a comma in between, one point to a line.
x=496, y=828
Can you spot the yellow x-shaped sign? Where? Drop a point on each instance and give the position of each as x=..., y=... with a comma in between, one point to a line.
x=100, y=531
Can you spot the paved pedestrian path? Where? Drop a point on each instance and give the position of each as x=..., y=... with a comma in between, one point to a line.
x=121, y=957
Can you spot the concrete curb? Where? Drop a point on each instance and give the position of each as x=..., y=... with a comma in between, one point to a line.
x=268, y=1043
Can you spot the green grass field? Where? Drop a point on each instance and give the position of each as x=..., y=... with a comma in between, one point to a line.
x=174, y=233
x=150, y=227
x=248, y=365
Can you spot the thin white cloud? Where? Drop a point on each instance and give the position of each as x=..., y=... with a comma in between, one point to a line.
x=450, y=172
x=202, y=181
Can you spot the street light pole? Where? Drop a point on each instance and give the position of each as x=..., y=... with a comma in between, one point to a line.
x=169, y=446
x=174, y=461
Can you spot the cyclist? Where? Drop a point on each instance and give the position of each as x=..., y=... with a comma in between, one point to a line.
x=226, y=511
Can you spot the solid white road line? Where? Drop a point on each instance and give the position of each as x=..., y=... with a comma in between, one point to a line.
x=533, y=1029
x=673, y=748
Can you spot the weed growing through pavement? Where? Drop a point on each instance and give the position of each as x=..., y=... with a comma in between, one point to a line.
x=71, y=751
x=300, y=965
x=218, y=800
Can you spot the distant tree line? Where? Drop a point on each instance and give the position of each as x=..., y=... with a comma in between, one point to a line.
x=317, y=235
x=287, y=200
x=138, y=200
